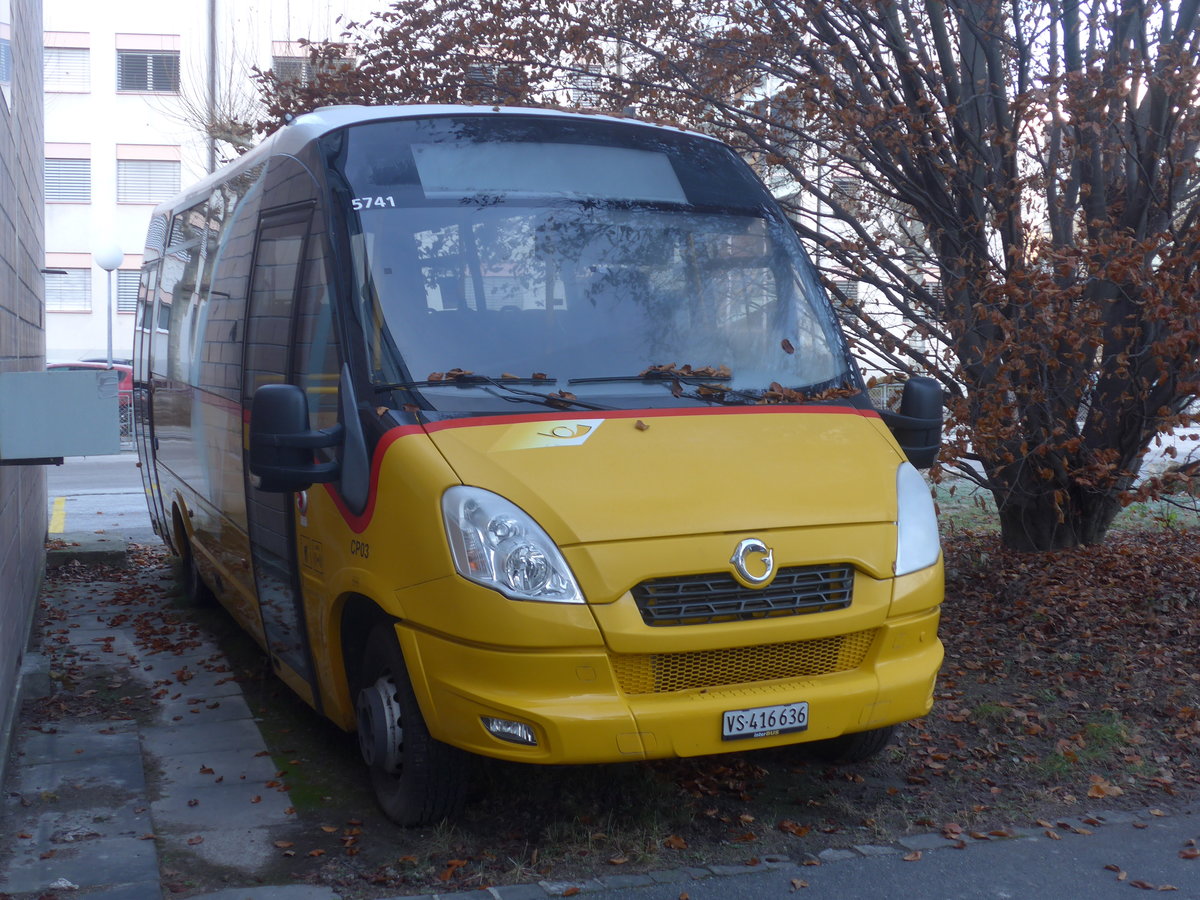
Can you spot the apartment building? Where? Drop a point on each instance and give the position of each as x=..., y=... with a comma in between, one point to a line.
x=130, y=90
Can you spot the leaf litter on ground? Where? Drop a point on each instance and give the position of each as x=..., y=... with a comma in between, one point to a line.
x=1071, y=688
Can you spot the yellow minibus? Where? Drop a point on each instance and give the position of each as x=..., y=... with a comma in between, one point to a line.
x=532, y=435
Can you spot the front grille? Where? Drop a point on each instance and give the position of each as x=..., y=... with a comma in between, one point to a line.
x=656, y=673
x=701, y=599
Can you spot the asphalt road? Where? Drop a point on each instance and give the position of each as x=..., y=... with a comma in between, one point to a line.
x=99, y=494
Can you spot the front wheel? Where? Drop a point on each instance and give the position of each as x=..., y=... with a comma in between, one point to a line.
x=852, y=748
x=417, y=780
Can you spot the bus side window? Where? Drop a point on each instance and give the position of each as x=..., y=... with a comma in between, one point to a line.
x=272, y=294
x=177, y=305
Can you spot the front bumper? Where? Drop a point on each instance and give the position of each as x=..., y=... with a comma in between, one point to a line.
x=584, y=706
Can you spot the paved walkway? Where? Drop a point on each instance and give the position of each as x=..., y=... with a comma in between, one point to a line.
x=115, y=810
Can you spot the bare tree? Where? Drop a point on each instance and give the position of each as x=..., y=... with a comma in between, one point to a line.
x=218, y=100
x=1016, y=183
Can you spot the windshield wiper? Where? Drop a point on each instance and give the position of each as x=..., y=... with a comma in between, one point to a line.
x=468, y=380
x=560, y=400
x=710, y=389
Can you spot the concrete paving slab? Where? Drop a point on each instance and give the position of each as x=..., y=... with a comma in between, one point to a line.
x=187, y=711
x=128, y=817
x=238, y=734
x=250, y=804
x=78, y=741
x=119, y=771
x=247, y=849
x=186, y=770
x=280, y=892
x=201, y=657
x=104, y=641
x=185, y=682
x=140, y=891
x=98, y=862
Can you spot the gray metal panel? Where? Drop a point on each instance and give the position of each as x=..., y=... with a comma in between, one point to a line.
x=52, y=414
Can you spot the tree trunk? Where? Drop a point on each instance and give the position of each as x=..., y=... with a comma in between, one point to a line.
x=1034, y=522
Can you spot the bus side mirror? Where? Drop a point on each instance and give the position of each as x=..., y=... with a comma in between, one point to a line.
x=917, y=426
x=281, y=443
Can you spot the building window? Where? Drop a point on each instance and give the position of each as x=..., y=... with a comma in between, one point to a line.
x=127, y=289
x=845, y=308
x=292, y=69
x=69, y=180
x=141, y=70
x=67, y=70
x=71, y=292
x=586, y=86
x=6, y=61
x=147, y=180
x=299, y=70
x=493, y=82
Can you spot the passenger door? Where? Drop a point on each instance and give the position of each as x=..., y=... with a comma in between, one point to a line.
x=143, y=414
x=271, y=325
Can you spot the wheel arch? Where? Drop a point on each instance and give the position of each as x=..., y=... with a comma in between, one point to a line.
x=359, y=616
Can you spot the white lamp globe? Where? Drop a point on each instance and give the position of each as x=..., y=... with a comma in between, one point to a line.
x=109, y=258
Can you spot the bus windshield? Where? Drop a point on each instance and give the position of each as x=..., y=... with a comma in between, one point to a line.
x=584, y=255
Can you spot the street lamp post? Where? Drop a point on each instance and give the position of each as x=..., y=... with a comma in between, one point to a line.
x=109, y=259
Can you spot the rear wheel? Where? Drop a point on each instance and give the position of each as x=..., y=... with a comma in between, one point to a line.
x=852, y=748
x=195, y=589
x=417, y=780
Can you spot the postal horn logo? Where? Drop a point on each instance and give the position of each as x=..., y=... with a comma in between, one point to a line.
x=753, y=563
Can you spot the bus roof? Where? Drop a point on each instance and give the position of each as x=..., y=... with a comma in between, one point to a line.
x=305, y=128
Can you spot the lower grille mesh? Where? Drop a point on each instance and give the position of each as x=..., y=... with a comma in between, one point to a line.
x=655, y=673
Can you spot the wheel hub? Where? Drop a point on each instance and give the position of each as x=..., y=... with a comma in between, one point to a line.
x=380, y=734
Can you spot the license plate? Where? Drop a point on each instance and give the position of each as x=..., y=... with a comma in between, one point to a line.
x=764, y=721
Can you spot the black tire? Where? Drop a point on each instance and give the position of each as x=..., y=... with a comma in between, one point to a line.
x=195, y=589
x=417, y=780
x=852, y=748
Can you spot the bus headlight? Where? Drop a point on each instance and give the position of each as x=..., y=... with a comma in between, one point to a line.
x=496, y=544
x=917, y=541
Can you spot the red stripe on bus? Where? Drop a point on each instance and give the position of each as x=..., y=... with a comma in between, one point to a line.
x=480, y=421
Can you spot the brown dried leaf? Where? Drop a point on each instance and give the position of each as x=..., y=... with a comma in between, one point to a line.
x=794, y=828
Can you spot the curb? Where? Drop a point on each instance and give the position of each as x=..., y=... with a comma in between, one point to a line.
x=87, y=549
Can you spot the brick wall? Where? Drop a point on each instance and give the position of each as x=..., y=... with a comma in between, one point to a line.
x=22, y=342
